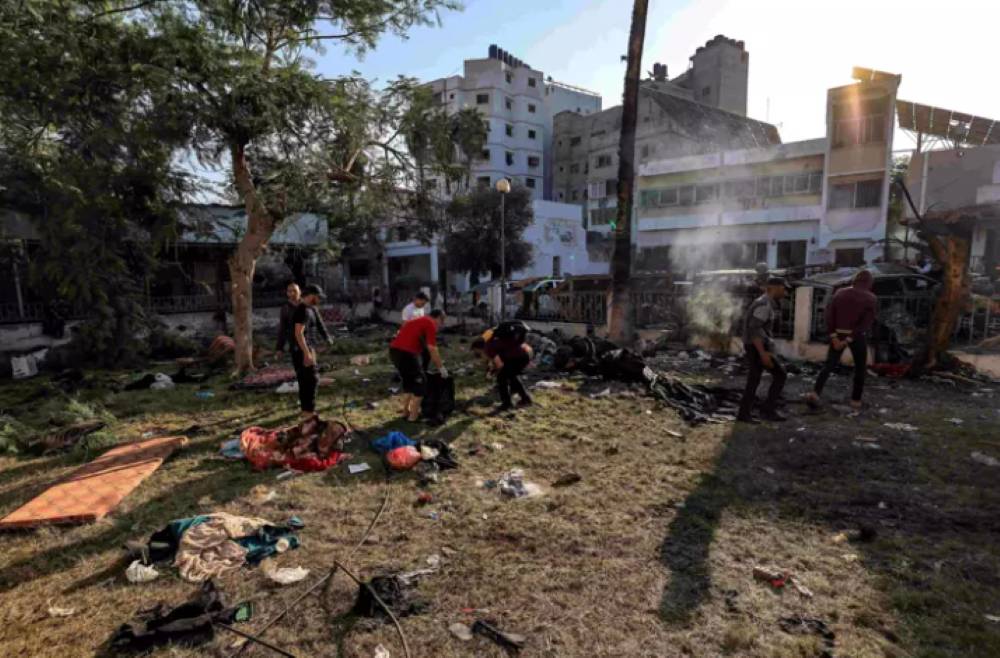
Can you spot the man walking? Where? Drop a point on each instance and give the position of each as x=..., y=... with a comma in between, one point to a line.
x=405, y=349
x=759, y=347
x=306, y=323
x=416, y=308
x=849, y=317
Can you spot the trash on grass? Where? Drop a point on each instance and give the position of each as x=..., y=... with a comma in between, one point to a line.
x=567, y=480
x=161, y=382
x=204, y=394
x=547, y=384
x=902, y=427
x=770, y=575
x=993, y=618
x=56, y=611
x=512, y=485
x=361, y=360
x=984, y=459
x=955, y=421
x=288, y=387
x=463, y=632
x=261, y=494
x=354, y=469
x=799, y=625
x=138, y=572
x=284, y=575
x=381, y=652
x=511, y=641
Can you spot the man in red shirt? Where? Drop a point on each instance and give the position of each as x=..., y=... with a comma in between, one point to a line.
x=849, y=318
x=405, y=350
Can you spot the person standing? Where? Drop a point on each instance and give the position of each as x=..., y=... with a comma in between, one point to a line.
x=306, y=324
x=286, y=328
x=404, y=351
x=416, y=308
x=849, y=317
x=508, y=356
x=759, y=347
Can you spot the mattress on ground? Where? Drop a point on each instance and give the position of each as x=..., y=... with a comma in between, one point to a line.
x=96, y=488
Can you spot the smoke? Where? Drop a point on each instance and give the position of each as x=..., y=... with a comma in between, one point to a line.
x=711, y=314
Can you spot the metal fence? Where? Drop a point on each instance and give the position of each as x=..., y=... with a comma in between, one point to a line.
x=653, y=309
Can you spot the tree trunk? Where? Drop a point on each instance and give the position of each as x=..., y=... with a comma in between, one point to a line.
x=243, y=262
x=620, y=315
x=952, y=251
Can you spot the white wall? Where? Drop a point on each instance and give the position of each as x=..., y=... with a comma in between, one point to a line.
x=558, y=232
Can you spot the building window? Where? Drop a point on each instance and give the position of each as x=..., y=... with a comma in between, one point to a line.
x=574, y=141
x=532, y=134
x=791, y=254
x=533, y=161
x=532, y=82
x=705, y=193
x=561, y=196
x=530, y=182
x=451, y=97
x=482, y=99
x=603, y=161
x=509, y=129
x=508, y=103
x=574, y=195
x=510, y=78
x=849, y=257
x=485, y=155
x=611, y=187
x=531, y=108
x=402, y=235
x=706, y=92
x=561, y=169
x=685, y=195
x=602, y=216
x=509, y=158
x=863, y=194
x=483, y=181
x=574, y=168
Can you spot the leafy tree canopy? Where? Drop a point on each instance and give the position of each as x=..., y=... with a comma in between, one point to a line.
x=472, y=230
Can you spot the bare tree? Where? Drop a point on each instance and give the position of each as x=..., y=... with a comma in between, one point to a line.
x=620, y=316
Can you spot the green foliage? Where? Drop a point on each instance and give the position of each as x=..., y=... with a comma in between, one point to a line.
x=472, y=230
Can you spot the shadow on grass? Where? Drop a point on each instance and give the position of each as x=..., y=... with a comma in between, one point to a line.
x=925, y=513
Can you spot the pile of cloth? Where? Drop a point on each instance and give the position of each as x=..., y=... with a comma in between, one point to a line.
x=402, y=453
x=312, y=445
x=268, y=377
x=188, y=625
x=208, y=546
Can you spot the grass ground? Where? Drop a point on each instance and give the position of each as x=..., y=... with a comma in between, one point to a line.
x=651, y=554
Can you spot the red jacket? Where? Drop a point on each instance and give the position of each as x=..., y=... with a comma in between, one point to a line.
x=851, y=312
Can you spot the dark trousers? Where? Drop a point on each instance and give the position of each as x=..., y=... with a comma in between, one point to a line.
x=509, y=379
x=756, y=370
x=308, y=378
x=859, y=350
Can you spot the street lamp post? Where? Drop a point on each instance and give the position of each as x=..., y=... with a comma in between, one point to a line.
x=503, y=187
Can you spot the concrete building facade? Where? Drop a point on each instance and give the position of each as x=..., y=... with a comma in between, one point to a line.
x=819, y=201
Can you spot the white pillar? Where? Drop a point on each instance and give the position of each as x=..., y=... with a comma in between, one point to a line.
x=803, y=319
x=434, y=265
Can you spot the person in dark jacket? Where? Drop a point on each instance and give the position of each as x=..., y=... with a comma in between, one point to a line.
x=759, y=347
x=849, y=317
x=285, y=327
x=306, y=323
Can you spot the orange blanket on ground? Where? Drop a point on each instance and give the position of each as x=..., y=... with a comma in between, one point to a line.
x=314, y=445
x=94, y=489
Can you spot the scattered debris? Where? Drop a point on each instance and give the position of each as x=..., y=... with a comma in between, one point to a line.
x=567, y=480
x=312, y=445
x=284, y=575
x=204, y=394
x=772, y=576
x=601, y=394
x=955, y=421
x=231, y=450
x=510, y=641
x=461, y=631
x=56, y=611
x=547, y=384
x=800, y=588
x=161, y=382
x=424, y=498
x=512, y=485
x=361, y=360
x=850, y=557
x=984, y=459
x=288, y=387
x=381, y=652
x=354, y=469
x=676, y=435
x=261, y=494
x=993, y=618
x=902, y=427
x=799, y=625
x=138, y=572
x=434, y=561
x=395, y=591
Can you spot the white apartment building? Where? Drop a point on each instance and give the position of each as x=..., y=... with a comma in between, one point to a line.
x=818, y=201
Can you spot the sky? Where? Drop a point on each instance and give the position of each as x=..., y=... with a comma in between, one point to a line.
x=946, y=52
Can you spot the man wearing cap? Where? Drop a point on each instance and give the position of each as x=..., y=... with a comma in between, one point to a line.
x=849, y=317
x=286, y=330
x=306, y=323
x=759, y=347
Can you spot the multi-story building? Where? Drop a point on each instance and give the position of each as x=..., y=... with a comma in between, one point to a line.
x=818, y=201
x=701, y=111
x=518, y=104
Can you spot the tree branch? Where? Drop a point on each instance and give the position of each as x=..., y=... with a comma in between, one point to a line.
x=122, y=10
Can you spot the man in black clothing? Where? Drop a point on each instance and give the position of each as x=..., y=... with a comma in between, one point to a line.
x=285, y=327
x=508, y=356
x=306, y=323
x=760, y=355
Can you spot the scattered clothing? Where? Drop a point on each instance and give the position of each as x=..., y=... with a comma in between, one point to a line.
x=161, y=382
x=188, y=625
x=231, y=449
x=266, y=378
